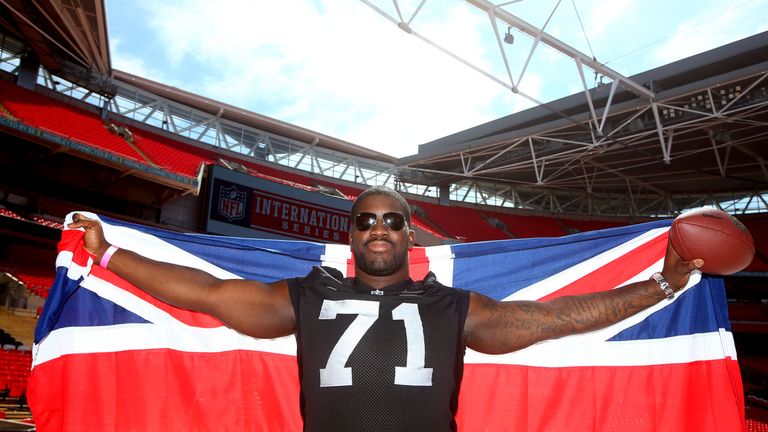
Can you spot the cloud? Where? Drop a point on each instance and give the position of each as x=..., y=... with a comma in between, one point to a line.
x=339, y=69
x=711, y=28
x=600, y=21
x=130, y=63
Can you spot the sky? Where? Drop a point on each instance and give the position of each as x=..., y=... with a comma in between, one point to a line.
x=341, y=68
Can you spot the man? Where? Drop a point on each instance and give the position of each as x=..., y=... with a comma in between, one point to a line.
x=380, y=351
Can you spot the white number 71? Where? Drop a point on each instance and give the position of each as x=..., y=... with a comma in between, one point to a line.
x=336, y=374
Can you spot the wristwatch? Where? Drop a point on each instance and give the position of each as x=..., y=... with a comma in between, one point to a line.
x=664, y=285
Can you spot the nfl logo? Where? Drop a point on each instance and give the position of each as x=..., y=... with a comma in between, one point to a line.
x=231, y=203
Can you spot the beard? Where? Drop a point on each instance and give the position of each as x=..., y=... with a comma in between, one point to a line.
x=381, y=265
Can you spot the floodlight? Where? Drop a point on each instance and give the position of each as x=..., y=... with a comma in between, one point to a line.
x=508, y=38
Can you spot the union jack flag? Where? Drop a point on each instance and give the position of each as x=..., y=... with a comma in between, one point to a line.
x=109, y=357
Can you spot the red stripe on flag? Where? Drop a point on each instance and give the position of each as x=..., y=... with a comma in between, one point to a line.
x=617, y=271
x=165, y=390
x=703, y=396
x=419, y=263
x=73, y=241
x=351, y=267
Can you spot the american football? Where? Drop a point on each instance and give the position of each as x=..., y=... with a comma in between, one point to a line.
x=721, y=240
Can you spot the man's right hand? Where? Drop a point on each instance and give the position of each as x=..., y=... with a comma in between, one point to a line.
x=95, y=242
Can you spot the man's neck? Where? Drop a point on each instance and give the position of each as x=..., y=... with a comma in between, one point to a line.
x=379, y=282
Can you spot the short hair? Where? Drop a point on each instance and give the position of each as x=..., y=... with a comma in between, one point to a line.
x=405, y=209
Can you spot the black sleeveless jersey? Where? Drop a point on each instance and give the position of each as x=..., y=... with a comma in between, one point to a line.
x=378, y=360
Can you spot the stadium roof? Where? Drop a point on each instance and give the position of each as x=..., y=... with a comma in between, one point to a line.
x=701, y=135
x=683, y=135
x=68, y=37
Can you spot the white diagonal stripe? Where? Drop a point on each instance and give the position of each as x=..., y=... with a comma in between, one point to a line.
x=126, y=337
x=641, y=352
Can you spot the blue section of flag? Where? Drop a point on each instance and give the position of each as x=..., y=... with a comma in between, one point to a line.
x=63, y=287
x=501, y=268
x=93, y=310
x=68, y=306
x=255, y=259
x=701, y=309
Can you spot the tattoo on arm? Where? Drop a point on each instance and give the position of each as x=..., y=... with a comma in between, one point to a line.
x=501, y=327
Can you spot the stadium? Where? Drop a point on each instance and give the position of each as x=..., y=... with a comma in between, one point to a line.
x=79, y=135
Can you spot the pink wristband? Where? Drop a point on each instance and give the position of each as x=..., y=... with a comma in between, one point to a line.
x=107, y=255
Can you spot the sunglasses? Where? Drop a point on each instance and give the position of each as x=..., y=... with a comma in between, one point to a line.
x=393, y=220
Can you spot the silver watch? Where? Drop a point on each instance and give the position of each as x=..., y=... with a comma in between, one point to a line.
x=664, y=285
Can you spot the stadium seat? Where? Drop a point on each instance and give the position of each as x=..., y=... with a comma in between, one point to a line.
x=62, y=119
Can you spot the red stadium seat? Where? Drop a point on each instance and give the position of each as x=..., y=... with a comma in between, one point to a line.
x=62, y=119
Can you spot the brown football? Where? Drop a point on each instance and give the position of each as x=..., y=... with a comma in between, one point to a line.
x=715, y=236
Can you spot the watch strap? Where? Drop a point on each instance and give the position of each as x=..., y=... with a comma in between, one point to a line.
x=664, y=285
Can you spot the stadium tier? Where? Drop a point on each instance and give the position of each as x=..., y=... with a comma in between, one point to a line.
x=144, y=146
x=14, y=372
x=50, y=115
x=150, y=148
x=10, y=214
x=587, y=225
x=462, y=223
x=36, y=280
x=521, y=226
x=15, y=368
x=37, y=283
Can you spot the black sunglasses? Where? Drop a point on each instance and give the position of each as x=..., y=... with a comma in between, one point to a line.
x=364, y=221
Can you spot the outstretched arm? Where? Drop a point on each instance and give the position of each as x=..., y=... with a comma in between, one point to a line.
x=497, y=327
x=250, y=307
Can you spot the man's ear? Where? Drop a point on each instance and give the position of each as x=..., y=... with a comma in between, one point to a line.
x=411, y=238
